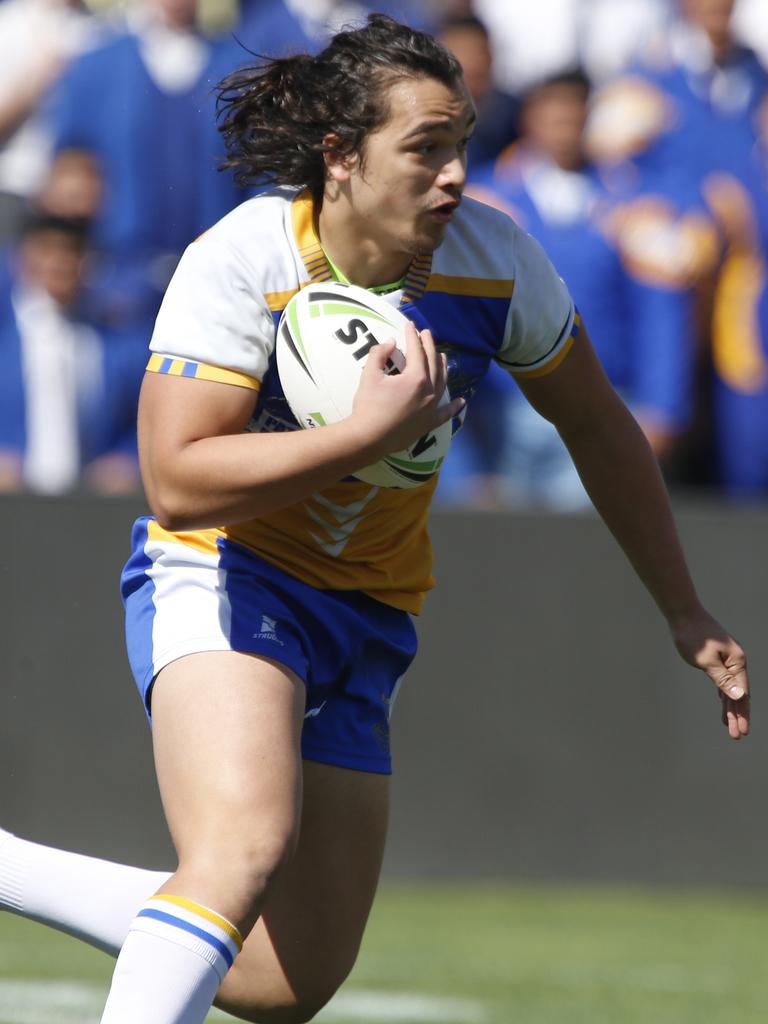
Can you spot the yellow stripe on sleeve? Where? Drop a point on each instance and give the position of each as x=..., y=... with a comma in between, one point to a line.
x=200, y=371
x=577, y=328
x=542, y=371
x=209, y=915
x=218, y=373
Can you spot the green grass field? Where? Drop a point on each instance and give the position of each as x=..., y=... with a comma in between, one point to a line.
x=484, y=954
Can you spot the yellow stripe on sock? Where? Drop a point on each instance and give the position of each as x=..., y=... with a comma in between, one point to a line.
x=209, y=915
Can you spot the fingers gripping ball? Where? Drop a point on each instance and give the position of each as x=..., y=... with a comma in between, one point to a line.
x=323, y=340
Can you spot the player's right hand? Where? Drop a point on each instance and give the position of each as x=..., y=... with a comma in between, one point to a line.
x=394, y=410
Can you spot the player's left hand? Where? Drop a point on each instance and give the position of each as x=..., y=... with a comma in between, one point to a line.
x=703, y=643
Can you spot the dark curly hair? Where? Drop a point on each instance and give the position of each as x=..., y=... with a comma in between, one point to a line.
x=274, y=116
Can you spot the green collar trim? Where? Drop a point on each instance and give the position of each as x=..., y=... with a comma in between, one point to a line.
x=378, y=289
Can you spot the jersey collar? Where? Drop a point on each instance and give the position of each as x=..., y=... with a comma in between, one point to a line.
x=317, y=264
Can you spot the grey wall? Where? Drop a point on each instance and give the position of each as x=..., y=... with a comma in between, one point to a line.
x=547, y=730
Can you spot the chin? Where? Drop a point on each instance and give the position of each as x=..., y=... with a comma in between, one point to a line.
x=425, y=245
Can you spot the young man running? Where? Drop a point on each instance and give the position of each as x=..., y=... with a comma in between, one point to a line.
x=269, y=598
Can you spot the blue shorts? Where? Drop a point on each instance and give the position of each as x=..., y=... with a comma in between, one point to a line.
x=349, y=649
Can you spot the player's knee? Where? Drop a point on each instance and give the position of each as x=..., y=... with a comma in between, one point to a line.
x=313, y=998
x=262, y=854
x=260, y=859
x=297, y=1013
x=301, y=1013
x=298, y=1000
x=293, y=1009
x=247, y=860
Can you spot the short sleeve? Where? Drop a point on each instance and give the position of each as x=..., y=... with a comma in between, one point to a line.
x=540, y=322
x=214, y=321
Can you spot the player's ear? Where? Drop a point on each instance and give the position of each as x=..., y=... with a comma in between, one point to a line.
x=339, y=161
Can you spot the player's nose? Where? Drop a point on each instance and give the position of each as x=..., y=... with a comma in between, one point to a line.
x=453, y=174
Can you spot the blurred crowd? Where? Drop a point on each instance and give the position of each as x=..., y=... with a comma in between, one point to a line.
x=630, y=137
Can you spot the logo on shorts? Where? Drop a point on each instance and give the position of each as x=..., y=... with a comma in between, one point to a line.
x=314, y=712
x=268, y=630
x=381, y=734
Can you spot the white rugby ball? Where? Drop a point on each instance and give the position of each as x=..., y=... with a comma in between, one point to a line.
x=323, y=339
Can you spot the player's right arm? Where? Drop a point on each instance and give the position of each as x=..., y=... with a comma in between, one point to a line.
x=201, y=470
x=199, y=466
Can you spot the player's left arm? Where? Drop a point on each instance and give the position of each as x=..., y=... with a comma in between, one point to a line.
x=623, y=479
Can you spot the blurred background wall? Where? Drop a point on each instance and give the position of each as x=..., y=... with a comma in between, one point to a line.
x=548, y=729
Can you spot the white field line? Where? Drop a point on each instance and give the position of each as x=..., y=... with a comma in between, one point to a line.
x=659, y=978
x=42, y=1001
x=365, y=1004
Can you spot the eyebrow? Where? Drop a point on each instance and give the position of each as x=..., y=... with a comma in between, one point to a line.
x=437, y=126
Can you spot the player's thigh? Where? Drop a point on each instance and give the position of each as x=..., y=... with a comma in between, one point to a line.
x=307, y=939
x=226, y=732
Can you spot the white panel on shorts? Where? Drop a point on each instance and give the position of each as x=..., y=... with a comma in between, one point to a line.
x=192, y=609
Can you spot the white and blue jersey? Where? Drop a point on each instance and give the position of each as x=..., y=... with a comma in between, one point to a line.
x=636, y=302
x=487, y=294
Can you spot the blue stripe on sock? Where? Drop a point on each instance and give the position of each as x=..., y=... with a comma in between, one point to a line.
x=177, y=922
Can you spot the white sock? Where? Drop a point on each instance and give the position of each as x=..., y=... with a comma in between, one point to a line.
x=94, y=900
x=172, y=963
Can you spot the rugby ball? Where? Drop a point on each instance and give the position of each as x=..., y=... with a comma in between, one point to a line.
x=323, y=339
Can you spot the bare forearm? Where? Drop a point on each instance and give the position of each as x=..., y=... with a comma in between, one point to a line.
x=623, y=479
x=220, y=480
x=201, y=469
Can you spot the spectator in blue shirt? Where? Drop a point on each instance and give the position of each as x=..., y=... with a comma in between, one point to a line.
x=67, y=396
x=141, y=105
x=695, y=99
x=738, y=198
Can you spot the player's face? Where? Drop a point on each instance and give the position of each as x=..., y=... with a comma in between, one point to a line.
x=406, y=188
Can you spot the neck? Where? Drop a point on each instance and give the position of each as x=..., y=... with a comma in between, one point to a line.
x=152, y=17
x=573, y=159
x=362, y=259
x=722, y=44
x=570, y=161
x=716, y=40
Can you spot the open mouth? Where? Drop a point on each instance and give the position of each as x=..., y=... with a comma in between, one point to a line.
x=444, y=211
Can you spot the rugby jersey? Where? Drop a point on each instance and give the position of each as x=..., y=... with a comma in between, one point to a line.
x=487, y=293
